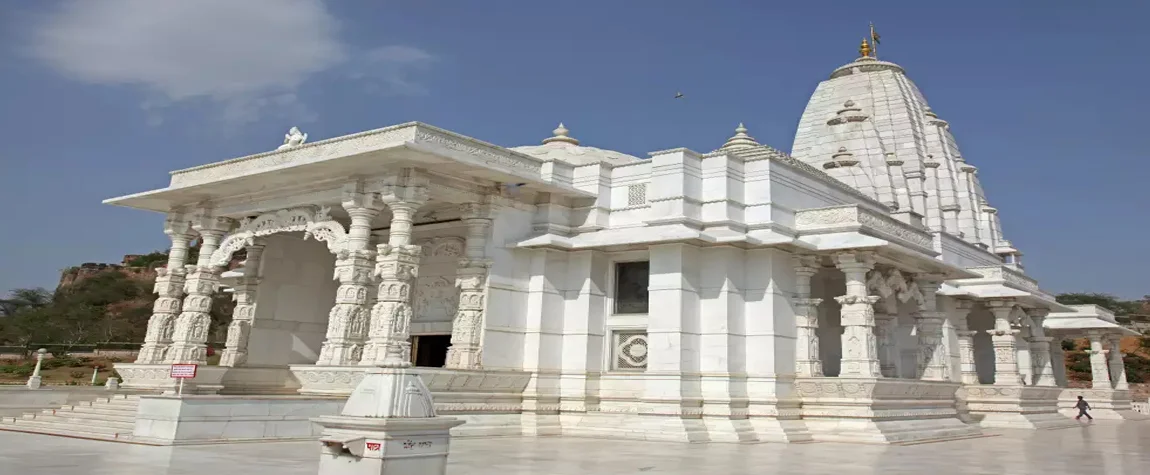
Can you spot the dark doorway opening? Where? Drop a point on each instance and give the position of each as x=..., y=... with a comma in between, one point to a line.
x=430, y=350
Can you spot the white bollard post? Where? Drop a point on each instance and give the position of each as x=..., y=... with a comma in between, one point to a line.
x=112, y=384
x=388, y=426
x=34, y=381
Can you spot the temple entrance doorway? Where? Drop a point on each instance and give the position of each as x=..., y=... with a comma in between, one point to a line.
x=430, y=350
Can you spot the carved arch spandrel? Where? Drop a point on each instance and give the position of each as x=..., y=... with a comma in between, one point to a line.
x=310, y=220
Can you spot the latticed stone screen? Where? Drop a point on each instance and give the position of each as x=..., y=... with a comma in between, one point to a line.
x=630, y=348
x=637, y=194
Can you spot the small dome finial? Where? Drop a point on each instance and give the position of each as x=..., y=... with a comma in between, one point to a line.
x=740, y=139
x=864, y=49
x=561, y=136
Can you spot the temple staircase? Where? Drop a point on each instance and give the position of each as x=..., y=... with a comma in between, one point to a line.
x=106, y=418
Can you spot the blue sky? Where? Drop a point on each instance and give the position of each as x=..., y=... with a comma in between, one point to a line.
x=100, y=98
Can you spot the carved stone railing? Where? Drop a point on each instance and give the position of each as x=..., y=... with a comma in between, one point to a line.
x=856, y=218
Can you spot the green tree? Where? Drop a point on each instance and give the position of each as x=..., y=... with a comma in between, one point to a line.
x=21, y=299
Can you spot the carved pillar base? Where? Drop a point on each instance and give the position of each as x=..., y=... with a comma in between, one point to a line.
x=932, y=352
x=397, y=268
x=807, y=362
x=860, y=348
x=190, y=333
x=466, y=330
x=966, y=356
x=244, y=294
x=885, y=328
x=347, y=320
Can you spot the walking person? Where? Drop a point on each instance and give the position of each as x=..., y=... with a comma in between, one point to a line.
x=1082, y=406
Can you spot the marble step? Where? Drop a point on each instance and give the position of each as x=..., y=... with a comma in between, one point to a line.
x=64, y=428
x=68, y=432
x=105, y=410
x=88, y=419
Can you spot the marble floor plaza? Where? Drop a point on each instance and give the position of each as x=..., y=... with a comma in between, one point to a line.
x=1103, y=448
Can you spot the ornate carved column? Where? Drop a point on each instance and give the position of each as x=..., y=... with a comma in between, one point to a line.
x=348, y=319
x=807, y=361
x=860, y=352
x=1040, y=357
x=1005, y=358
x=1099, y=372
x=887, y=288
x=244, y=313
x=397, y=265
x=932, y=348
x=191, y=329
x=1117, y=366
x=967, y=366
x=170, y=288
x=467, y=329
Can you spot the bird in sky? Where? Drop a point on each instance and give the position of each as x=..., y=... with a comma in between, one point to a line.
x=678, y=95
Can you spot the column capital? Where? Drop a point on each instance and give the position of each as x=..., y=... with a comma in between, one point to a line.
x=806, y=264
x=407, y=186
x=206, y=224
x=177, y=223
x=469, y=211
x=996, y=304
x=861, y=260
x=963, y=304
x=1036, y=312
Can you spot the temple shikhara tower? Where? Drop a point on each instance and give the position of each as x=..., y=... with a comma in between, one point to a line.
x=861, y=288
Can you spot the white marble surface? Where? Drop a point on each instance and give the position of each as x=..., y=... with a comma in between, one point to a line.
x=1104, y=447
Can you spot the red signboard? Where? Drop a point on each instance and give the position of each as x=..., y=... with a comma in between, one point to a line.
x=183, y=371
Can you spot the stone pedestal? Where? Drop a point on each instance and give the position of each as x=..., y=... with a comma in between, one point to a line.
x=388, y=426
x=34, y=382
x=878, y=410
x=1015, y=407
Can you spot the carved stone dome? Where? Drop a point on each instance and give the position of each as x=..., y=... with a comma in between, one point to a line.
x=869, y=126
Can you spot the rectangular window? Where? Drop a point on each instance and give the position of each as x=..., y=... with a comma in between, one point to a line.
x=629, y=348
x=631, y=279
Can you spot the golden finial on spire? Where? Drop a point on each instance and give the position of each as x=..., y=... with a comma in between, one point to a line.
x=864, y=49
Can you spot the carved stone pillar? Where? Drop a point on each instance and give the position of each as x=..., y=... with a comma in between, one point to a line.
x=1002, y=336
x=397, y=265
x=932, y=349
x=348, y=319
x=886, y=329
x=1117, y=366
x=1099, y=372
x=1040, y=356
x=968, y=370
x=170, y=288
x=467, y=328
x=191, y=329
x=244, y=313
x=859, y=348
x=807, y=361
x=1058, y=360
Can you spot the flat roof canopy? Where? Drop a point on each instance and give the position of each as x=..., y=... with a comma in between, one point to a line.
x=363, y=154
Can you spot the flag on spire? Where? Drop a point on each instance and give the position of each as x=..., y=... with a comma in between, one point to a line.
x=873, y=34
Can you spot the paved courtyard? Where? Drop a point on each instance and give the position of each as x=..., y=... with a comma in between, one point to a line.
x=1101, y=448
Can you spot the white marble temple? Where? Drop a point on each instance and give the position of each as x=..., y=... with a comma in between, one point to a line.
x=860, y=288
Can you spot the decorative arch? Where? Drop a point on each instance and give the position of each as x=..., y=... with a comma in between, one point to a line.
x=308, y=219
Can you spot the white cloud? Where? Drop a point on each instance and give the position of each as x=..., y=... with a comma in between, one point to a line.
x=248, y=57
x=386, y=69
